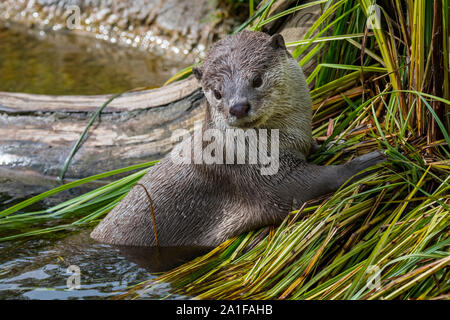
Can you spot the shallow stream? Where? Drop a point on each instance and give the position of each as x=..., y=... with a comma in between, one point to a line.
x=65, y=64
x=47, y=268
x=41, y=62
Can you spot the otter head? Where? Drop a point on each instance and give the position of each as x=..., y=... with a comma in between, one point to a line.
x=246, y=79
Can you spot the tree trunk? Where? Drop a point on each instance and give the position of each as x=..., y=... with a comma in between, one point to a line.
x=37, y=132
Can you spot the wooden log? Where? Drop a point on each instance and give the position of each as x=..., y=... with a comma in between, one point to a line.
x=37, y=132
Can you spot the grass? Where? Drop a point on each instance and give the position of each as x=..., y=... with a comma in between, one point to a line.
x=383, y=237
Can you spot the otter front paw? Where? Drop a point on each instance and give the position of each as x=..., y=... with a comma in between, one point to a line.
x=369, y=159
x=365, y=161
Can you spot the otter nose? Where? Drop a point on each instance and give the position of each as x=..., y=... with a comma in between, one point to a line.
x=240, y=109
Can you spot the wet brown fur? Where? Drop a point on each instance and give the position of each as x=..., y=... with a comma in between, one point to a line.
x=199, y=204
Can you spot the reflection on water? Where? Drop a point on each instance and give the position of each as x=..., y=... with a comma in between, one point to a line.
x=37, y=268
x=161, y=259
x=56, y=63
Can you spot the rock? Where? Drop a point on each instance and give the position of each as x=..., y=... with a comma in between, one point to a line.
x=183, y=20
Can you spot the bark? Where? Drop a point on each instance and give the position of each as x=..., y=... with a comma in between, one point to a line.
x=37, y=132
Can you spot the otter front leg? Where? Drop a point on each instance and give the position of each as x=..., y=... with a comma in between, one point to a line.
x=363, y=162
x=326, y=179
x=295, y=183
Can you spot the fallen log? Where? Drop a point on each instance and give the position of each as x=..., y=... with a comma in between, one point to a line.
x=37, y=132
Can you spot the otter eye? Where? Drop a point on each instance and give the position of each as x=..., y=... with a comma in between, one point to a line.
x=217, y=94
x=256, y=81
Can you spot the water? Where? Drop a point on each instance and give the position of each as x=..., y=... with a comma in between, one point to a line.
x=65, y=64
x=36, y=268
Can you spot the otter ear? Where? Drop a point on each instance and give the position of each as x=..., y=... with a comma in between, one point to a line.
x=197, y=73
x=277, y=42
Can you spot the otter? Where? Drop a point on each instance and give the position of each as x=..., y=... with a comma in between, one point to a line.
x=251, y=82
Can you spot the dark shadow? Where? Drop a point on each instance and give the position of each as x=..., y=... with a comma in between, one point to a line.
x=155, y=259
